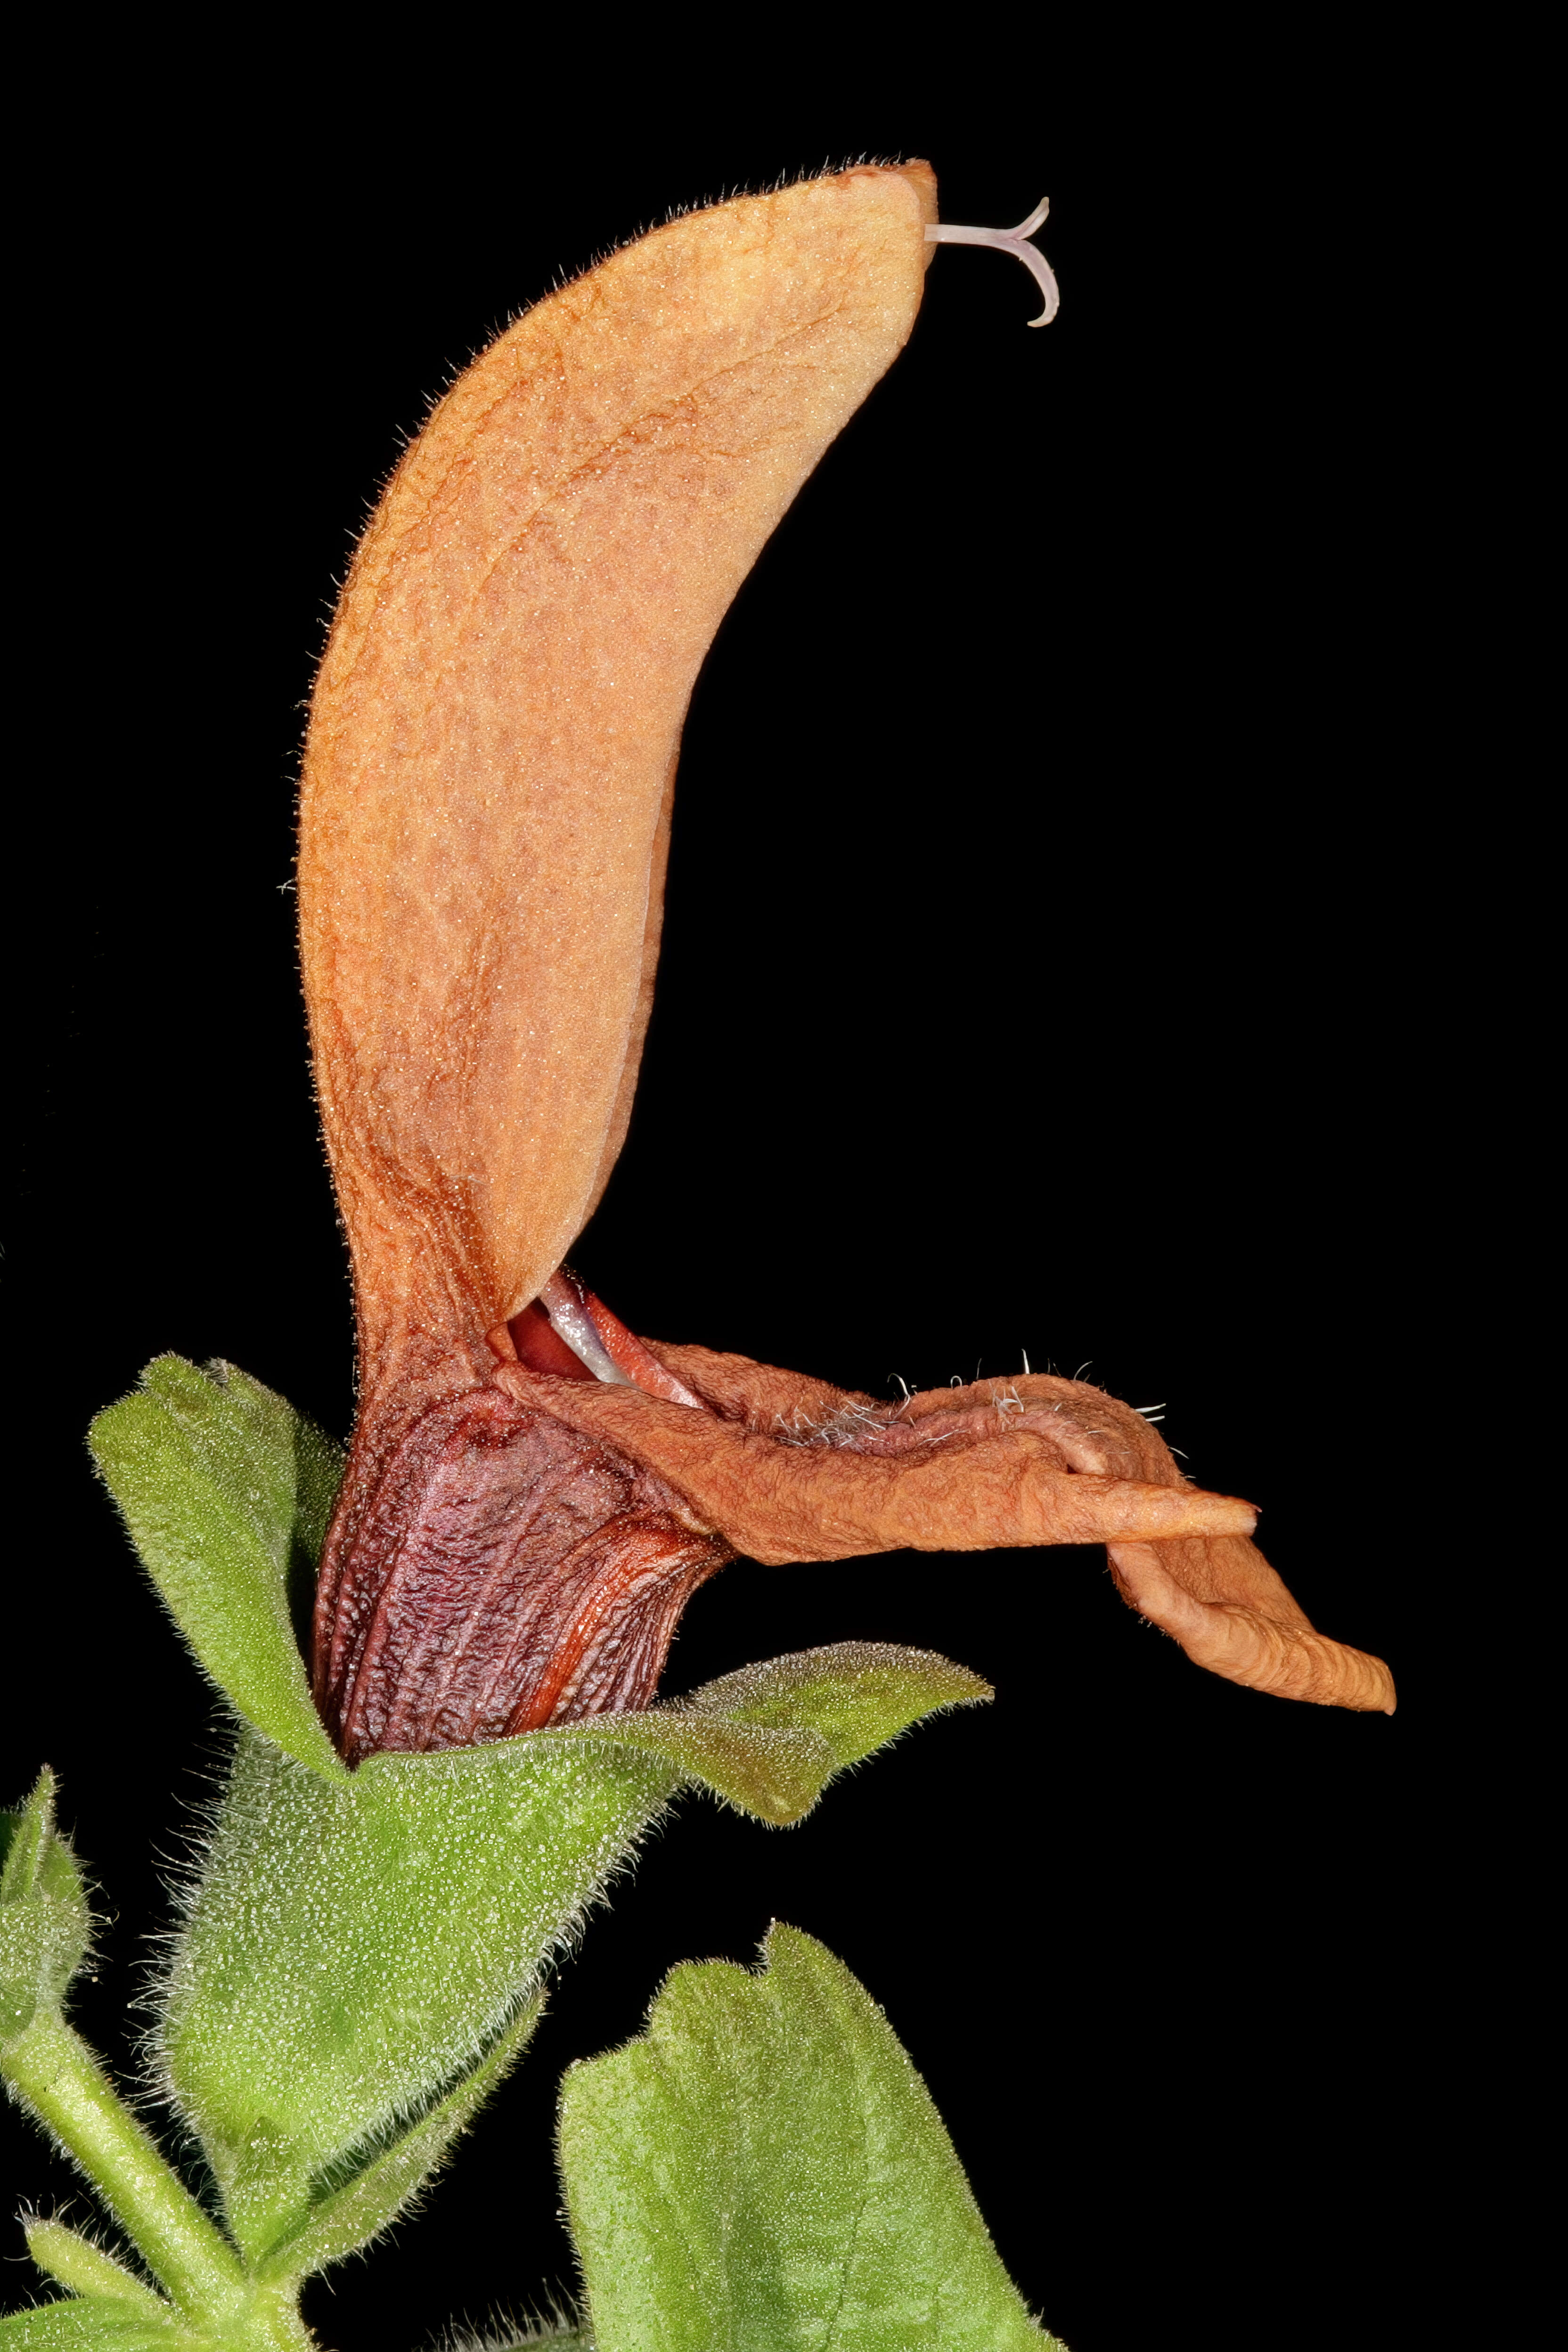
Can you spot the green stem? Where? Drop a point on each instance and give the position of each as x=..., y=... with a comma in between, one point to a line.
x=59, y=2078
x=269, y=2322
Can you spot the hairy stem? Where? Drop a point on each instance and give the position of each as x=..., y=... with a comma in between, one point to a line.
x=56, y=2074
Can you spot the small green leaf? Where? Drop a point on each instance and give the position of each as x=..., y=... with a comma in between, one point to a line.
x=764, y=2171
x=75, y=2262
x=769, y=1738
x=353, y=2214
x=227, y=1492
x=86, y=2323
x=45, y=1923
x=27, y=1834
x=777, y=1776
x=857, y=1695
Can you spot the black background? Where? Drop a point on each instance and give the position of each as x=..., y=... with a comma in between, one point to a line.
x=1052, y=963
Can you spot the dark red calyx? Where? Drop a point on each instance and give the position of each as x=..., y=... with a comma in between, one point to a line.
x=504, y=1572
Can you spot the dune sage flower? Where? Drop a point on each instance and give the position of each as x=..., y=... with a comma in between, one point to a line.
x=533, y=1493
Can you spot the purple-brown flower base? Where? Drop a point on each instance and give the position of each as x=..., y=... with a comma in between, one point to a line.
x=507, y=1572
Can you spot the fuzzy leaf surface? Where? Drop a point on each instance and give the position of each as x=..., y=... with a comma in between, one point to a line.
x=857, y=1695
x=84, y=2323
x=769, y=1738
x=45, y=1923
x=351, y=2216
x=76, y=2263
x=355, y=1946
x=227, y=1492
x=764, y=2171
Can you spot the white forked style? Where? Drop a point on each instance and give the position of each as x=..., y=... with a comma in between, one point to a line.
x=1013, y=241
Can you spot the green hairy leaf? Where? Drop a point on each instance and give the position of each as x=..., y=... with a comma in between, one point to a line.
x=856, y=1695
x=227, y=1492
x=83, y=2323
x=349, y=2216
x=764, y=2171
x=769, y=1738
x=45, y=1923
x=353, y=1946
x=87, y=2270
